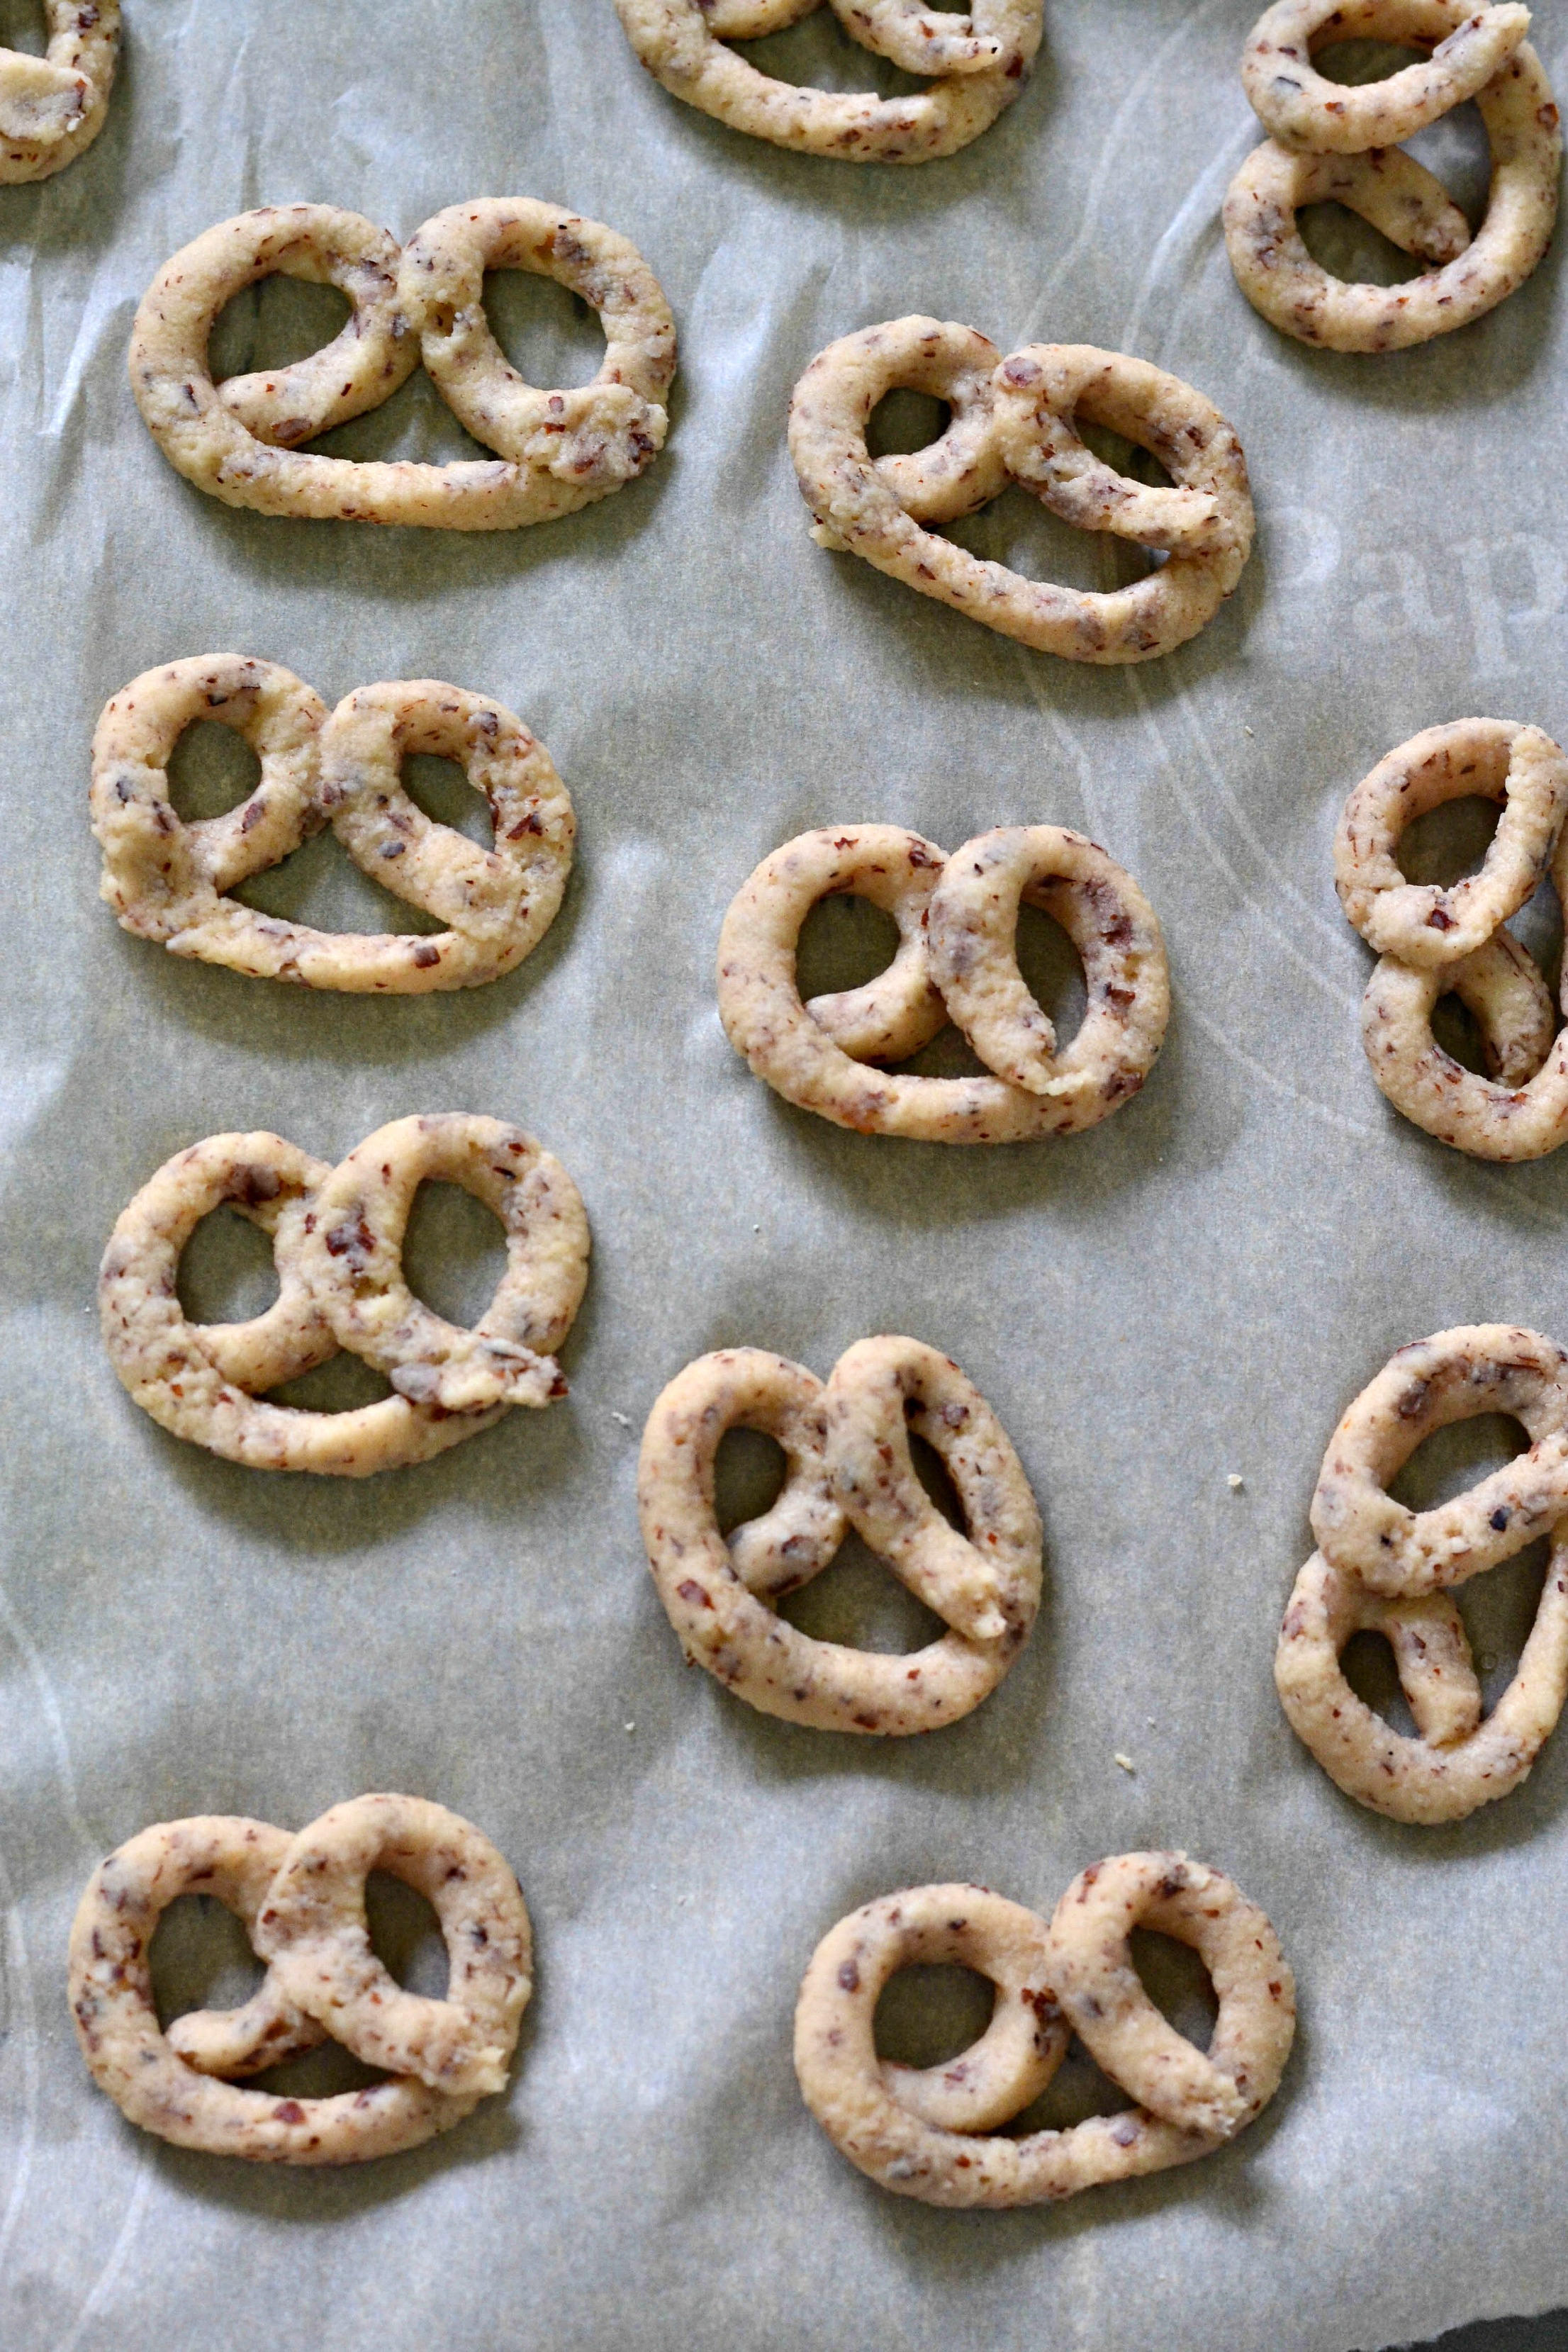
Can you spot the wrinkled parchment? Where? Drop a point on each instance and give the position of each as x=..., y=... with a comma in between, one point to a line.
x=1191, y=1291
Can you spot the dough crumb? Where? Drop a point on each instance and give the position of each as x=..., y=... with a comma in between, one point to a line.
x=624, y=1418
x=1125, y=1761
x=1233, y=1481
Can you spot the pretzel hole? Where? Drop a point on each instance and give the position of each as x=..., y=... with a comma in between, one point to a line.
x=343, y=1384
x=211, y=769
x=22, y=26
x=454, y=1251
x=818, y=54
x=442, y=792
x=931, y=2011
x=226, y=1272
x=1456, y=1457
x=1448, y=841
x=320, y=885
x=1052, y=971
x=748, y=1472
x=1499, y=1610
x=549, y=335
x=903, y=420
x=1366, y=1662
x=843, y=941
x=273, y=322
x=1017, y=530
x=200, y=1957
x=405, y=1935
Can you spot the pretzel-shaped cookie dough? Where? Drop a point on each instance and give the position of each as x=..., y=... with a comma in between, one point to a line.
x=1385, y=1569
x=168, y=880
x=1435, y=942
x=52, y=107
x=845, y=1447
x=957, y=916
x=301, y=1903
x=1333, y=142
x=557, y=450
x=337, y=1239
x=982, y=62
x=928, y=2133
x=1018, y=427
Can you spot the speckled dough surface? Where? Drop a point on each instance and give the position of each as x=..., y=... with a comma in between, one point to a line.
x=52, y=107
x=558, y=450
x=957, y=917
x=301, y=1903
x=168, y=880
x=982, y=62
x=337, y=1239
x=1435, y=942
x=926, y=2133
x=1019, y=427
x=1335, y=142
x=846, y=1445
x=1387, y=1569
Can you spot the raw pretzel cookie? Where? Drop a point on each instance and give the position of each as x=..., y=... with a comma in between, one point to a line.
x=981, y=63
x=846, y=1445
x=556, y=451
x=957, y=917
x=52, y=107
x=337, y=1239
x=1383, y=1568
x=934, y=2133
x=1335, y=144
x=1436, y=942
x=301, y=1903
x=1013, y=421
x=168, y=880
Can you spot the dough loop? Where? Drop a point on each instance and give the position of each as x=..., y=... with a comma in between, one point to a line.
x=846, y=1445
x=1435, y=942
x=957, y=917
x=301, y=1903
x=556, y=450
x=931, y=2133
x=337, y=1240
x=1333, y=142
x=1013, y=421
x=168, y=880
x=1387, y=1569
x=54, y=106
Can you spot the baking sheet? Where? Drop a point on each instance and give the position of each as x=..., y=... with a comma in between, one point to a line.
x=1192, y=1290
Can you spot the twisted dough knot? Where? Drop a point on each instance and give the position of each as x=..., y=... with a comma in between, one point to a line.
x=1387, y=1569
x=846, y=1451
x=981, y=61
x=54, y=106
x=168, y=880
x=929, y=2133
x=556, y=450
x=1012, y=420
x=1436, y=941
x=301, y=1903
x=337, y=1240
x=957, y=917
x=1333, y=142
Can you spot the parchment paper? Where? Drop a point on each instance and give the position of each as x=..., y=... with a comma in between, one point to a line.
x=1194, y=1289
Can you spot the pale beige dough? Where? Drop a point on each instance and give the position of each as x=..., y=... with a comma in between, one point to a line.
x=1456, y=1761
x=560, y=450
x=1440, y=941
x=300, y=1901
x=927, y=2134
x=1023, y=431
x=983, y=63
x=846, y=1451
x=206, y=1382
x=54, y=106
x=956, y=919
x=1474, y=1369
x=1481, y=54
x=1303, y=109
x=169, y=881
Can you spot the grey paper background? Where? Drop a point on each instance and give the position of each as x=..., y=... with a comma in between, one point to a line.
x=1194, y=1289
